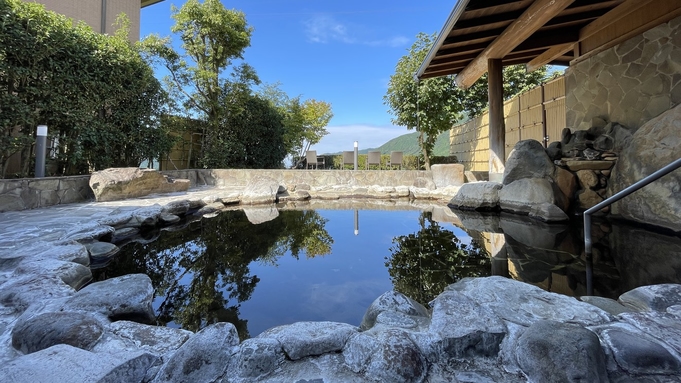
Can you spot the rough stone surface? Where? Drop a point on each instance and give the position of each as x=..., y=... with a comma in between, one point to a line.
x=395, y=358
x=611, y=306
x=653, y=146
x=150, y=338
x=203, y=358
x=302, y=339
x=477, y=196
x=448, y=175
x=655, y=297
x=260, y=190
x=129, y=296
x=528, y=159
x=521, y=195
x=561, y=352
x=64, y=363
x=637, y=353
x=631, y=82
x=257, y=358
x=525, y=304
x=123, y=183
x=49, y=329
x=392, y=301
x=463, y=327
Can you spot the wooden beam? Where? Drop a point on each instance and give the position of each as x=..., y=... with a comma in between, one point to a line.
x=538, y=14
x=551, y=54
x=613, y=16
x=497, y=131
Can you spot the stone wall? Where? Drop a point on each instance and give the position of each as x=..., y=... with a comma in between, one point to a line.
x=31, y=193
x=630, y=83
x=314, y=178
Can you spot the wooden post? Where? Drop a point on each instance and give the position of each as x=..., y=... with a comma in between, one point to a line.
x=497, y=131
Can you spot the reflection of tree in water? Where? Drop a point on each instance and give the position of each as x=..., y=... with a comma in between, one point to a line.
x=424, y=263
x=202, y=271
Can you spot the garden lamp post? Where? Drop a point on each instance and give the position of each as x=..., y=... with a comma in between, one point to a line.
x=40, y=148
x=356, y=155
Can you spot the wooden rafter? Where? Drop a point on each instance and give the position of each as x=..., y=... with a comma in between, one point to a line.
x=538, y=14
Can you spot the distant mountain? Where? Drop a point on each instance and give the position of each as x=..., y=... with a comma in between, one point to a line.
x=409, y=144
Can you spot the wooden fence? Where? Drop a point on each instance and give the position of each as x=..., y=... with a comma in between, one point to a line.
x=537, y=114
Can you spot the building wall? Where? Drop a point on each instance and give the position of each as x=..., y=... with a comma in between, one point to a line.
x=629, y=83
x=90, y=11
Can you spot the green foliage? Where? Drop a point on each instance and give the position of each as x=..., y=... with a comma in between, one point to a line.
x=304, y=121
x=238, y=128
x=422, y=264
x=432, y=106
x=98, y=97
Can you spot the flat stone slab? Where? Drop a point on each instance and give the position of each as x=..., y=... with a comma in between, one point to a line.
x=575, y=165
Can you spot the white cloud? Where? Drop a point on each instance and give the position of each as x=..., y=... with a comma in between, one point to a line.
x=324, y=29
x=342, y=137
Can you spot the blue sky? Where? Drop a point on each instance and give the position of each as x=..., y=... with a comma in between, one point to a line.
x=341, y=52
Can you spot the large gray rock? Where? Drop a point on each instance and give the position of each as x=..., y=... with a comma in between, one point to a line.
x=73, y=274
x=260, y=189
x=460, y=328
x=203, y=358
x=653, y=146
x=525, y=304
x=256, y=359
x=554, y=352
x=528, y=159
x=302, y=339
x=447, y=175
x=663, y=327
x=385, y=356
x=123, y=183
x=654, y=297
x=49, y=329
x=392, y=301
x=66, y=364
x=154, y=339
x=477, y=196
x=22, y=291
x=636, y=352
x=126, y=297
x=522, y=195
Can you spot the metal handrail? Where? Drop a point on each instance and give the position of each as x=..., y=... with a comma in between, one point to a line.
x=618, y=196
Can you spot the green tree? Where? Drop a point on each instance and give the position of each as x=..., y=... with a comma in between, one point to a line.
x=304, y=121
x=98, y=97
x=422, y=264
x=434, y=105
x=212, y=38
x=429, y=106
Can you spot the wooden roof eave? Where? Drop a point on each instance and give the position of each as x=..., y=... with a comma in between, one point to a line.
x=454, y=16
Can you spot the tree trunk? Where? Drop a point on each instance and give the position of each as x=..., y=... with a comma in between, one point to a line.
x=424, y=150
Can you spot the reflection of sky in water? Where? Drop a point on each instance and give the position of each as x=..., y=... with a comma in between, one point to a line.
x=337, y=287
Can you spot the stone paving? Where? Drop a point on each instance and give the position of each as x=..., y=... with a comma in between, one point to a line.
x=19, y=228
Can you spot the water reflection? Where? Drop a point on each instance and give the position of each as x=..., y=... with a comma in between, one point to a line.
x=201, y=273
x=423, y=263
x=552, y=257
x=208, y=271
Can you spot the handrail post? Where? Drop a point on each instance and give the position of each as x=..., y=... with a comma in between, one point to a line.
x=616, y=197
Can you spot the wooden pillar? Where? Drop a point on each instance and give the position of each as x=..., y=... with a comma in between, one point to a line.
x=497, y=131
